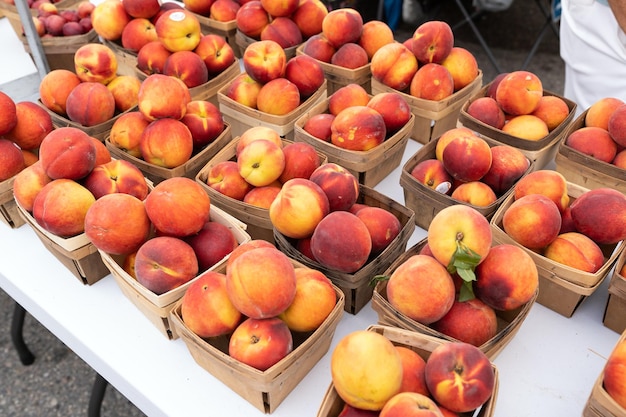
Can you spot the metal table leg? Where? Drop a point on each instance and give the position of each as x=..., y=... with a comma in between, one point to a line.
x=17, y=335
x=97, y=396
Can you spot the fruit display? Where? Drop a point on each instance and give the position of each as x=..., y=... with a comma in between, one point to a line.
x=51, y=21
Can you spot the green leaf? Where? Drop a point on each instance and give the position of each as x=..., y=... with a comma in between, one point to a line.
x=378, y=278
x=463, y=262
x=467, y=291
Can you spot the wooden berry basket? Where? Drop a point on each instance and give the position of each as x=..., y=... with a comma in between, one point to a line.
x=432, y=118
x=357, y=287
x=126, y=58
x=561, y=288
x=155, y=307
x=509, y=322
x=263, y=389
x=9, y=213
x=424, y=345
x=541, y=151
x=425, y=201
x=615, y=312
x=369, y=167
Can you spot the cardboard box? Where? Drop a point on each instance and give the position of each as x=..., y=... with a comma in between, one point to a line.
x=561, y=288
x=424, y=345
x=432, y=118
x=509, y=322
x=369, y=167
x=9, y=212
x=263, y=389
x=357, y=286
x=427, y=202
x=615, y=312
x=155, y=307
x=541, y=151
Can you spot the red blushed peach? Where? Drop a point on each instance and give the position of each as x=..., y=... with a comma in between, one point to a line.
x=188, y=67
x=462, y=65
x=54, y=88
x=432, y=174
x=165, y=6
x=548, y=182
x=488, y=111
x=471, y=321
x=318, y=47
x=261, y=162
x=11, y=159
x=8, y=111
x=591, y=209
x=533, y=221
x=251, y=18
x=117, y=223
x=262, y=197
x=315, y=299
x=178, y=30
x=247, y=246
x=216, y=52
x=598, y=113
x=256, y=133
x=432, y=82
x=349, y=95
x=306, y=73
x=278, y=97
x=27, y=184
x=383, y=226
x=526, y=126
x=280, y=8
x=125, y=90
x=211, y=244
x=309, y=17
x=620, y=159
x=224, y=177
x=394, y=65
x=519, y=92
x=508, y=164
x=166, y=143
x=298, y=208
x=67, y=152
x=341, y=242
x=206, y=309
x=151, y=58
x=60, y=207
x=142, y=9
x=261, y=282
x=459, y=376
x=467, y=158
x=394, y=108
x=493, y=85
x=410, y=404
x=116, y=176
x=422, y=289
x=576, y=250
x=244, y=90
x=178, y=206
x=202, y=8
x=283, y=31
x=341, y=26
x=126, y=132
x=319, y=126
x=476, y=193
x=413, y=366
x=447, y=136
x=137, y=33
x=567, y=223
x=33, y=124
x=358, y=128
x=340, y=185
x=90, y=104
x=162, y=96
x=264, y=61
x=164, y=263
x=593, y=141
x=613, y=378
x=350, y=55
x=304, y=247
x=301, y=160
x=553, y=110
x=375, y=35
x=617, y=125
x=432, y=41
x=95, y=62
x=260, y=343
x=204, y=121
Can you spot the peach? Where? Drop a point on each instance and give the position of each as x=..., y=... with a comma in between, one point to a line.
x=109, y=18
x=410, y=404
x=8, y=111
x=204, y=121
x=519, y=92
x=278, y=8
x=315, y=299
x=577, y=251
x=178, y=30
x=394, y=108
x=137, y=33
x=592, y=209
x=252, y=18
x=116, y=176
x=341, y=26
x=502, y=288
x=447, y=136
x=526, y=126
x=382, y=225
x=95, y=62
x=201, y=8
x=298, y=208
x=309, y=17
x=54, y=88
x=30, y=157
x=142, y=8
x=548, y=182
x=261, y=343
x=247, y=246
x=213, y=243
x=151, y=58
x=567, y=223
x=620, y=159
x=350, y=55
x=255, y=133
x=613, y=374
x=493, y=85
x=125, y=90
x=432, y=174
x=462, y=65
x=117, y=223
x=413, y=366
x=432, y=41
x=375, y=35
x=178, y=206
x=487, y=110
x=166, y=143
x=126, y=132
x=432, y=82
x=508, y=164
x=60, y=207
x=349, y=95
x=283, y=31
x=459, y=376
x=27, y=184
x=262, y=197
x=349, y=411
x=264, y=61
x=67, y=152
x=599, y=113
x=318, y=47
x=162, y=96
x=216, y=53
x=244, y=90
x=84, y=8
x=553, y=110
x=33, y=124
x=103, y=156
x=593, y=141
x=306, y=73
x=165, y=6
x=318, y=126
x=358, y=128
x=340, y=185
x=301, y=160
x=467, y=158
x=278, y=97
x=366, y=369
x=11, y=159
x=261, y=162
x=164, y=263
x=224, y=10
x=476, y=193
x=470, y=321
x=90, y=104
x=224, y=177
x=261, y=282
x=206, y=309
x=533, y=221
x=188, y=66
x=617, y=125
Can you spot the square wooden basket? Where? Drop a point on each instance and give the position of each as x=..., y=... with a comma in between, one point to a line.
x=370, y=167
x=615, y=312
x=263, y=389
x=424, y=345
x=541, y=151
x=155, y=307
x=509, y=322
x=357, y=287
x=586, y=170
x=9, y=213
x=561, y=288
x=432, y=118
x=425, y=201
